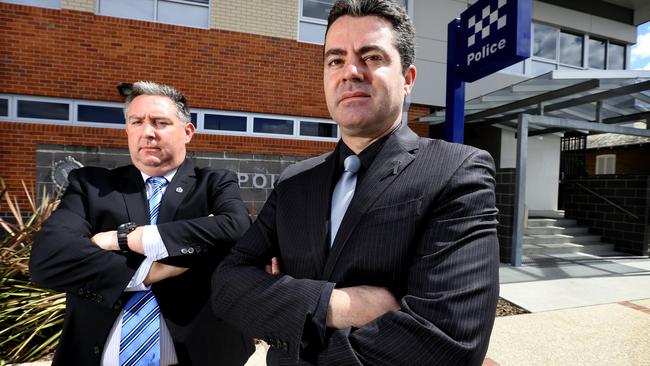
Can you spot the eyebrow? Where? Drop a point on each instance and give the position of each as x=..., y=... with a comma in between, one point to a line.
x=362, y=50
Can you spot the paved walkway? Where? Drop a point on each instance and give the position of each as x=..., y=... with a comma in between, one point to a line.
x=586, y=310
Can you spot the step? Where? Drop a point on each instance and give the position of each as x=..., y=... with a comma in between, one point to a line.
x=551, y=230
x=551, y=214
x=560, y=238
x=551, y=222
x=549, y=249
x=598, y=248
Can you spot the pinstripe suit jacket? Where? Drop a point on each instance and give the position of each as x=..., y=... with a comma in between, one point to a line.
x=422, y=223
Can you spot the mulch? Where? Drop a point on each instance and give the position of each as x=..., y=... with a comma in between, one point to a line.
x=505, y=308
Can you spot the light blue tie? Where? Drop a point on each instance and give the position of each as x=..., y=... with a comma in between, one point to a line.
x=140, y=336
x=343, y=193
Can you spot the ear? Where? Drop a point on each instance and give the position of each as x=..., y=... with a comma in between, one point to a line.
x=189, y=132
x=409, y=79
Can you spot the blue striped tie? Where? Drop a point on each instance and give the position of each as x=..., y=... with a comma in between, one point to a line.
x=140, y=337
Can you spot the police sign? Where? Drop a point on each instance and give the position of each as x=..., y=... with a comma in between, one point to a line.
x=494, y=34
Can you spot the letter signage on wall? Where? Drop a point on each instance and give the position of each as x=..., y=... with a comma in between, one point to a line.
x=494, y=34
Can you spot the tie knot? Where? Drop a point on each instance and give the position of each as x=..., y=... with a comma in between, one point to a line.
x=352, y=164
x=157, y=182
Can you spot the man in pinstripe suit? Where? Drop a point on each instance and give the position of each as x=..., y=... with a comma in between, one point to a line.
x=410, y=277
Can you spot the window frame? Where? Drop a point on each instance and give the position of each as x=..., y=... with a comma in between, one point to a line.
x=73, y=105
x=155, y=12
x=602, y=161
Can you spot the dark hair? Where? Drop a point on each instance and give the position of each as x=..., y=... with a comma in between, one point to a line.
x=151, y=88
x=403, y=29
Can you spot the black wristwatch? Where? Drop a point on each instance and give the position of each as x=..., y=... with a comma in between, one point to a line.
x=122, y=236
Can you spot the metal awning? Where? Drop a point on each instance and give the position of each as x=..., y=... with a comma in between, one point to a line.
x=593, y=100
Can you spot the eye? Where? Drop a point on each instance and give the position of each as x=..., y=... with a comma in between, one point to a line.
x=335, y=62
x=135, y=122
x=372, y=58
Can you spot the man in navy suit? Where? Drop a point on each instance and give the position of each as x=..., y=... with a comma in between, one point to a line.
x=408, y=274
x=158, y=227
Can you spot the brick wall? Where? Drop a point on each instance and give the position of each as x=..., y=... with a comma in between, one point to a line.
x=629, y=234
x=65, y=53
x=505, y=199
x=630, y=160
x=274, y=18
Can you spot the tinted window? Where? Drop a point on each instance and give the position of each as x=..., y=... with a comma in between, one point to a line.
x=316, y=8
x=224, y=123
x=193, y=117
x=42, y=110
x=615, y=57
x=4, y=107
x=93, y=113
x=544, y=41
x=271, y=125
x=318, y=129
x=571, y=49
x=597, y=54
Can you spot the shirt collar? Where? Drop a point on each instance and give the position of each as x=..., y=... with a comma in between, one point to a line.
x=170, y=174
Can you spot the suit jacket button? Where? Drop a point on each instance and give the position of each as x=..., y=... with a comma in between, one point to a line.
x=190, y=250
x=117, y=305
x=100, y=298
x=81, y=292
x=184, y=251
x=96, y=350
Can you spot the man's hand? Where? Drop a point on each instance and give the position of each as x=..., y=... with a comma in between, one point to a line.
x=356, y=306
x=160, y=271
x=107, y=240
x=273, y=267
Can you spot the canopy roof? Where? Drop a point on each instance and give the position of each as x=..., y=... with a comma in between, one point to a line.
x=597, y=96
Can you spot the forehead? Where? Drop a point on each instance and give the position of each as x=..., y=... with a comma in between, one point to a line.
x=359, y=32
x=151, y=104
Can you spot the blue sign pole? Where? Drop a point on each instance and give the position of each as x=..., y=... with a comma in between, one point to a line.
x=455, y=91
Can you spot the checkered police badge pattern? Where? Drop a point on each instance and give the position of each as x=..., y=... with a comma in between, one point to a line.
x=482, y=26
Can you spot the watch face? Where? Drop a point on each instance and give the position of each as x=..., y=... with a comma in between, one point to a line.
x=61, y=170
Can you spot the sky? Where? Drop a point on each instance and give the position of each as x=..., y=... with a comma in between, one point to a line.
x=641, y=50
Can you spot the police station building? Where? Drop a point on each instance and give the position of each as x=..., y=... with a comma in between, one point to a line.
x=252, y=71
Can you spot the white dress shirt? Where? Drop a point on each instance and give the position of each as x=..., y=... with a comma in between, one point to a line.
x=154, y=250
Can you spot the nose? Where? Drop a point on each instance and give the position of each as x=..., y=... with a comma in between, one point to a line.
x=353, y=71
x=149, y=131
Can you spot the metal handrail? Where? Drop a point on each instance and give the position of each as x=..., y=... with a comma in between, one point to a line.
x=606, y=200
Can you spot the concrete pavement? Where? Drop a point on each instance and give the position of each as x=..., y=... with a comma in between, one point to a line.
x=586, y=310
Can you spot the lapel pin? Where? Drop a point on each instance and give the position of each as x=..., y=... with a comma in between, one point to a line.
x=179, y=189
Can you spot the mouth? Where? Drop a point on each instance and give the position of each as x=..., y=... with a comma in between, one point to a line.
x=352, y=95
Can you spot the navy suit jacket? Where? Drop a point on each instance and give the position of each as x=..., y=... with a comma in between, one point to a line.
x=97, y=199
x=422, y=223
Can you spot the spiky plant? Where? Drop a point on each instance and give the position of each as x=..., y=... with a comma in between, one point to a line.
x=30, y=317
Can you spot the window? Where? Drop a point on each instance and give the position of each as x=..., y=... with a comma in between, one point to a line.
x=101, y=114
x=544, y=41
x=606, y=164
x=4, y=107
x=597, y=53
x=52, y=4
x=615, y=57
x=30, y=109
x=272, y=125
x=191, y=13
x=43, y=110
x=554, y=49
x=224, y=122
x=313, y=19
x=319, y=129
x=571, y=49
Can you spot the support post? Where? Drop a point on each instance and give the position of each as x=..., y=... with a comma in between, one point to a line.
x=455, y=91
x=520, y=191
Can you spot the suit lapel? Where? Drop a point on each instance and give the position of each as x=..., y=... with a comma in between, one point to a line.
x=133, y=193
x=393, y=158
x=316, y=211
x=183, y=182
